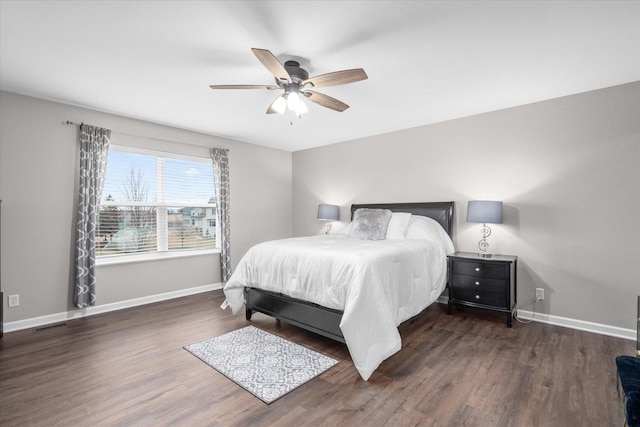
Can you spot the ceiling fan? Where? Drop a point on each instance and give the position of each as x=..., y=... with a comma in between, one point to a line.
x=295, y=82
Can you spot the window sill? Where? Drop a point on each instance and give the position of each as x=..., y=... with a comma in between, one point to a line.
x=154, y=256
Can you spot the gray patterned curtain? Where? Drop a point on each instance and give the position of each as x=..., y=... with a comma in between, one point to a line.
x=220, y=157
x=94, y=146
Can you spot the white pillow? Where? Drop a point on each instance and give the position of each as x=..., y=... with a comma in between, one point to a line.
x=422, y=227
x=346, y=230
x=398, y=225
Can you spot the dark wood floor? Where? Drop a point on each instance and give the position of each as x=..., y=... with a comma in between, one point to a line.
x=129, y=368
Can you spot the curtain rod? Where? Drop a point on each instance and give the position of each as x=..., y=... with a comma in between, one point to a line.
x=69, y=122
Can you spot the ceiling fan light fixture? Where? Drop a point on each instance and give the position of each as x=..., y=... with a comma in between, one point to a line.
x=280, y=105
x=295, y=104
x=302, y=108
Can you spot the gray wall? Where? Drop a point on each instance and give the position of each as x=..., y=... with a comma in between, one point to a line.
x=568, y=171
x=38, y=170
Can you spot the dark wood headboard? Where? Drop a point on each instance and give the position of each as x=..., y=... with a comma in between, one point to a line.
x=440, y=211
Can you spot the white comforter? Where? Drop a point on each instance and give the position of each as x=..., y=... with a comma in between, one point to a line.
x=378, y=284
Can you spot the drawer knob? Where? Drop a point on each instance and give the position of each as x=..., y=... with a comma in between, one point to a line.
x=477, y=268
x=477, y=283
x=477, y=296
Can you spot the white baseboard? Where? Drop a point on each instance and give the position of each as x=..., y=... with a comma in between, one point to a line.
x=581, y=325
x=566, y=322
x=105, y=308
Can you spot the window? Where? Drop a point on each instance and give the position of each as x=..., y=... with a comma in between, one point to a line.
x=155, y=202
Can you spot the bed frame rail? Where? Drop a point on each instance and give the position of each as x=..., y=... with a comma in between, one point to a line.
x=313, y=317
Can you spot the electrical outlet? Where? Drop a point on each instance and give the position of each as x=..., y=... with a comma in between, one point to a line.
x=14, y=301
x=539, y=294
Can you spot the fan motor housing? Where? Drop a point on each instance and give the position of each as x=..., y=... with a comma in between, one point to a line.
x=297, y=74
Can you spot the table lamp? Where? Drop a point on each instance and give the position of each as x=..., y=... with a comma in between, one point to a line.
x=484, y=211
x=328, y=213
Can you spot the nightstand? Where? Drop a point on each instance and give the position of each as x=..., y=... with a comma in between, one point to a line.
x=486, y=283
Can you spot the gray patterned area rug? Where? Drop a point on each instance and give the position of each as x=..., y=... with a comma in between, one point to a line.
x=262, y=363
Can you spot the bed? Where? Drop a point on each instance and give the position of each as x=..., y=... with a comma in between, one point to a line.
x=366, y=314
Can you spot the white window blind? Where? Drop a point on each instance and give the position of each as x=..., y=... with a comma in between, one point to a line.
x=155, y=202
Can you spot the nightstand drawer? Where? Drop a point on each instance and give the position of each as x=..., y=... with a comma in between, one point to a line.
x=479, y=283
x=479, y=297
x=481, y=269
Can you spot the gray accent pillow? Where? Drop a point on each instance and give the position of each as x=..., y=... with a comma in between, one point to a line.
x=370, y=224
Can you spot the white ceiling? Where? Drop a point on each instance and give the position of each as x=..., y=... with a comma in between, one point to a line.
x=427, y=61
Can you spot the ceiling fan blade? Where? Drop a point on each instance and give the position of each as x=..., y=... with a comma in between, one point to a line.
x=270, y=87
x=272, y=64
x=337, y=78
x=325, y=101
x=273, y=108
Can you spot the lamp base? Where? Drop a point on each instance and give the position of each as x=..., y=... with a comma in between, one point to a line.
x=481, y=255
x=328, y=228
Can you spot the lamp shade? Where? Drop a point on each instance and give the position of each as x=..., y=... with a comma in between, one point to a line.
x=484, y=211
x=328, y=212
